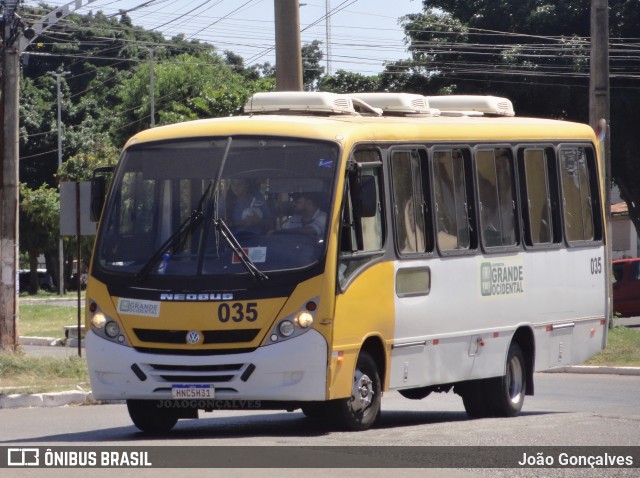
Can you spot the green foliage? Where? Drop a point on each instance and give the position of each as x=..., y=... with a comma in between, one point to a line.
x=349, y=82
x=39, y=217
x=187, y=88
x=81, y=166
x=312, y=70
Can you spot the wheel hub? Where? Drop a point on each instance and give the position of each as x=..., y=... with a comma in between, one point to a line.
x=362, y=394
x=515, y=380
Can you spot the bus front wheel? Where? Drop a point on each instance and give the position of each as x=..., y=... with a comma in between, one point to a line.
x=362, y=409
x=150, y=417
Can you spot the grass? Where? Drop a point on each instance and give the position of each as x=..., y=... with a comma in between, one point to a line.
x=46, y=320
x=25, y=374
x=623, y=349
x=20, y=373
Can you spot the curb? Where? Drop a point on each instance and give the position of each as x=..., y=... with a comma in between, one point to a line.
x=596, y=369
x=53, y=399
x=46, y=341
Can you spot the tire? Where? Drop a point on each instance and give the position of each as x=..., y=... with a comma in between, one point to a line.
x=508, y=391
x=475, y=399
x=149, y=417
x=500, y=396
x=361, y=410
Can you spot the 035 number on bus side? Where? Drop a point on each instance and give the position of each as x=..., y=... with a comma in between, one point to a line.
x=237, y=312
x=596, y=265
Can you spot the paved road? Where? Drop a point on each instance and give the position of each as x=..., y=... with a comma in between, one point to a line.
x=568, y=410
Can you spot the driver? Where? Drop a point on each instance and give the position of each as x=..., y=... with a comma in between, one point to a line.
x=307, y=217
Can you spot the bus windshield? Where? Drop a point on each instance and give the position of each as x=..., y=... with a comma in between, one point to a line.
x=218, y=206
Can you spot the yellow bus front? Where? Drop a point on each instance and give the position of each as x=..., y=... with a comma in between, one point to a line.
x=209, y=279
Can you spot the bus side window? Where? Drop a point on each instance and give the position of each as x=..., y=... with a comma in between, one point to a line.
x=494, y=168
x=539, y=197
x=453, y=196
x=362, y=230
x=412, y=219
x=579, y=195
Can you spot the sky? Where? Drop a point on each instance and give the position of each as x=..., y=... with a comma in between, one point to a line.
x=363, y=33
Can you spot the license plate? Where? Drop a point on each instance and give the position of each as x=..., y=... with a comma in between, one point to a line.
x=192, y=391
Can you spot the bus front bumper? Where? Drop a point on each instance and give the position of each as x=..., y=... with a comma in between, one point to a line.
x=292, y=370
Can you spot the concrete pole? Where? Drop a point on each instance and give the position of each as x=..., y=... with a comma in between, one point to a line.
x=9, y=194
x=328, y=35
x=60, y=241
x=288, y=46
x=599, y=109
x=152, y=88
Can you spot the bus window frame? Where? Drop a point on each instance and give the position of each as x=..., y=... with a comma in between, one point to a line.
x=553, y=188
x=595, y=201
x=373, y=256
x=517, y=214
x=430, y=241
x=471, y=206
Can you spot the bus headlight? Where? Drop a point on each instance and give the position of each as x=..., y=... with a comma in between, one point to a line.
x=304, y=319
x=295, y=324
x=112, y=329
x=105, y=326
x=98, y=320
x=286, y=328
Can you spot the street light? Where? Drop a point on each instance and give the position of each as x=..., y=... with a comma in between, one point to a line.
x=58, y=75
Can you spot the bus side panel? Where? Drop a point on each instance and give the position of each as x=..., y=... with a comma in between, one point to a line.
x=462, y=327
x=364, y=310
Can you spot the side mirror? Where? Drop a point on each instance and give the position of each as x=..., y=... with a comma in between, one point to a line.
x=98, y=192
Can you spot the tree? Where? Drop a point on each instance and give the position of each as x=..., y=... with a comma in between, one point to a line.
x=187, y=88
x=39, y=226
x=348, y=82
x=312, y=71
x=535, y=52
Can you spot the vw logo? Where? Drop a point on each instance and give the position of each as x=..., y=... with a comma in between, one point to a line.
x=193, y=337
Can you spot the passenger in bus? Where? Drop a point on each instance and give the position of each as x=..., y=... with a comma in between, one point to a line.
x=246, y=208
x=307, y=217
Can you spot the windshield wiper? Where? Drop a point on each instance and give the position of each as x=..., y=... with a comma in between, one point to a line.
x=224, y=230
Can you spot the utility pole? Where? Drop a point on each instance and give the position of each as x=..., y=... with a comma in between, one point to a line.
x=288, y=46
x=57, y=75
x=599, y=109
x=328, y=35
x=9, y=195
x=152, y=88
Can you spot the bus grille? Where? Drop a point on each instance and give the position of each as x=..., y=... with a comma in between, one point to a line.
x=210, y=336
x=194, y=373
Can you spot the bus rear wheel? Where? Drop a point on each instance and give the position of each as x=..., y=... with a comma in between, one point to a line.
x=500, y=396
x=508, y=391
x=362, y=409
x=150, y=417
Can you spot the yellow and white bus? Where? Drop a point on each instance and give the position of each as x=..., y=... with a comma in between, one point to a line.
x=322, y=249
